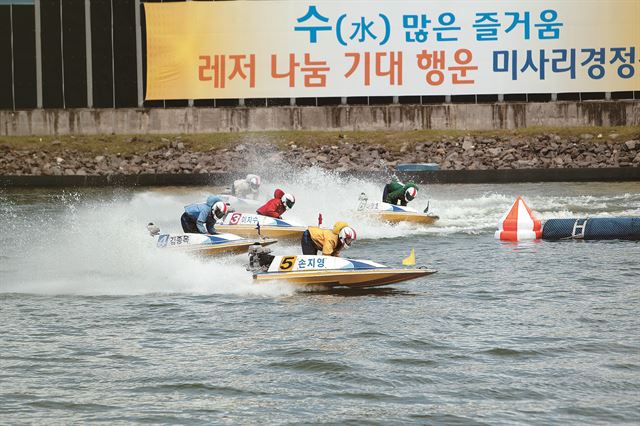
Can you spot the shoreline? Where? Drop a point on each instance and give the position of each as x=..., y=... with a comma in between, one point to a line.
x=529, y=155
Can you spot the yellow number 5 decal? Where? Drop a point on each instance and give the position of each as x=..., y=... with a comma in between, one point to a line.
x=287, y=263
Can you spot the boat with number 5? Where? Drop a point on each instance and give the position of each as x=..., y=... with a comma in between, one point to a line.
x=327, y=271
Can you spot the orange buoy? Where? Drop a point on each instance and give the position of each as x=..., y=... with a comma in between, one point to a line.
x=519, y=224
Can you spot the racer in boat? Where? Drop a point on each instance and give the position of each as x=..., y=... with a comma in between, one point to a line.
x=247, y=188
x=201, y=217
x=279, y=204
x=397, y=192
x=329, y=241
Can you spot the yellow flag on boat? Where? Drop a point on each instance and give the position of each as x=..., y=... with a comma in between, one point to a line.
x=411, y=260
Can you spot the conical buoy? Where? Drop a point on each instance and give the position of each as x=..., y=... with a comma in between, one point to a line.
x=519, y=224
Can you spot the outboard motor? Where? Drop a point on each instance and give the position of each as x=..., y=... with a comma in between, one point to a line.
x=259, y=258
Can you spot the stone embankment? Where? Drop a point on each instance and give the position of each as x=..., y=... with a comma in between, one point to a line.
x=451, y=153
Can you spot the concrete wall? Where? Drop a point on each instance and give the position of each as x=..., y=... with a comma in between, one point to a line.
x=383, y=117
x=619, y=174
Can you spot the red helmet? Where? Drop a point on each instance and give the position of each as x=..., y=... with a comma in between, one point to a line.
x=254, y=181
x=347, y=236
x=219, y=209
x=410, y=193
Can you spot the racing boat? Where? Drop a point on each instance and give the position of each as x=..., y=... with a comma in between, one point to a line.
x=394, y=214
x=326, y=271
x=205, y=245
x=246, y=225
x=241, y=204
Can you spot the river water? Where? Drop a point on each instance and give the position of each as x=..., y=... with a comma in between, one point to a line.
x=96, y=326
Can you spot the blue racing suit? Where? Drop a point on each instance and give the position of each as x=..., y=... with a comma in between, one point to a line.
x=201, y=214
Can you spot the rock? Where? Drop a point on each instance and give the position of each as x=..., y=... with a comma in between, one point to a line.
x=69, y=172
x=180, y=146
x=525, y=163
x=99, y=158
x=59, y=160
x=488, y=141
x=467, y=144
x=56, y=142
x=614, y=136
x=631, y=145
x=586, y=136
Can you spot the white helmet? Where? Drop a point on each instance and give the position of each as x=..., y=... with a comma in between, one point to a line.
x=288, y=200
x=347, y=236
x=219, y=209
x=254, y=181
x=410, y=193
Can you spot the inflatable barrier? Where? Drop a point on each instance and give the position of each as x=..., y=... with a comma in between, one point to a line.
x=592, y=228
x=519, y=224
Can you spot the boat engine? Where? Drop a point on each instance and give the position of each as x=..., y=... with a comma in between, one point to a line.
x=259, y=258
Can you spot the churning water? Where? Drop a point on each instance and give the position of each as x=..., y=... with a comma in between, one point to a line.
x=96, y=325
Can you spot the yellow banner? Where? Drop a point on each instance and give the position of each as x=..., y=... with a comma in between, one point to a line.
x=251, y=49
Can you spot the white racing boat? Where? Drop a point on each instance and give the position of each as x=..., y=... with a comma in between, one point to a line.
x=241, y=204
x=327, y=271
x=394, y=214
x=246, y=225
x=204, y=244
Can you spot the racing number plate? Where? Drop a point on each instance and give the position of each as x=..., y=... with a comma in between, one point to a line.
x=287, y=262
x=235, y=218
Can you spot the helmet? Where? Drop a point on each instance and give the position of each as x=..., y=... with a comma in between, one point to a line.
x=288, y=200
x=254, y=181
x=347, y=236
x=411, y=193
x=219, y=209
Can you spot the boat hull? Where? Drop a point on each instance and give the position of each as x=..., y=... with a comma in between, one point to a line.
x=209, y=245
x=222, y=249
x=250, y=231
x=397, y=217
x=342, y=278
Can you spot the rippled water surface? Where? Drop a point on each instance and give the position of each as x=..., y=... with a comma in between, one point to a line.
x=95, y=325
